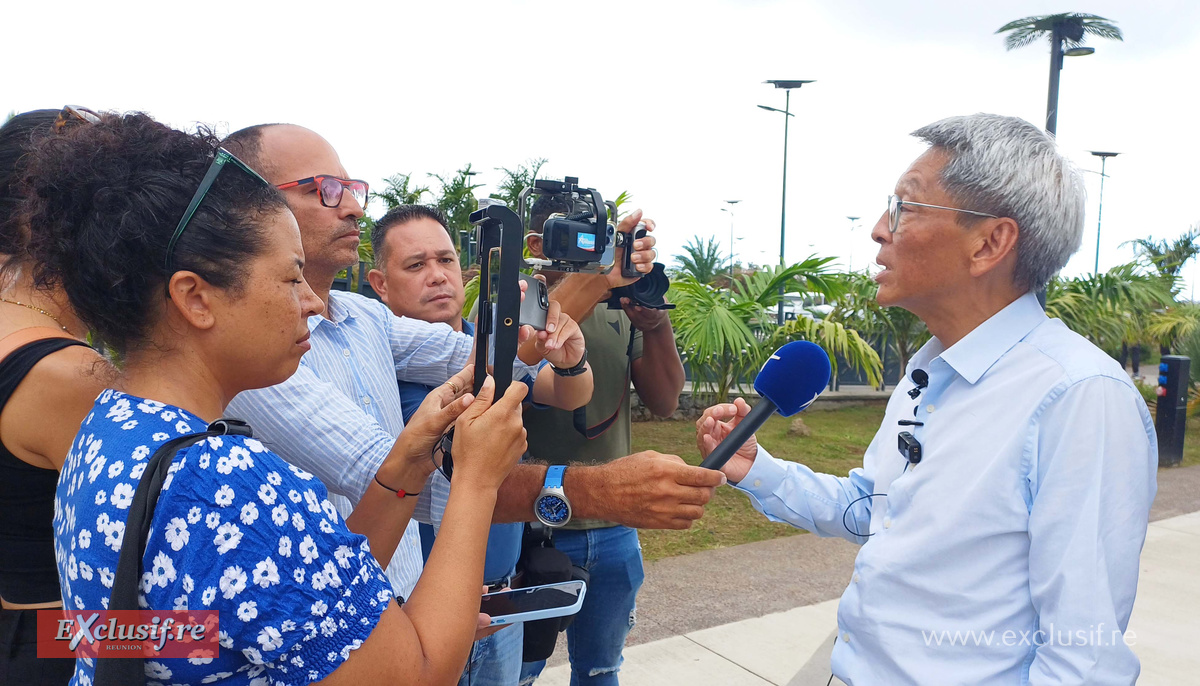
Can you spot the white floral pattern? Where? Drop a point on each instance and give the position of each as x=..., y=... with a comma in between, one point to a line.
x=240, y=532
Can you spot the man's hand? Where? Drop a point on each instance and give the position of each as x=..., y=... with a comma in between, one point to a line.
x=644, y=319
x=561, y=344
x=644, y=252
x=712, y=428
x=646, y=490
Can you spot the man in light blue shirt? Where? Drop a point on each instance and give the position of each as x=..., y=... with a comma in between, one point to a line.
x=1007, y=552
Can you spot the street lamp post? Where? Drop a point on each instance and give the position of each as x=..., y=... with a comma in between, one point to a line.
x=850, y=265
x=1056, y=65
x=732, y=250
x=787, y=85
x=1100, y=210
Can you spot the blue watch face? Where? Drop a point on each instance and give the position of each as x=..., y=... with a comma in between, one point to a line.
x=554, y=509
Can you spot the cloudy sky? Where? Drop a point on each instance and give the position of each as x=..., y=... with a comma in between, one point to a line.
x=656, y=98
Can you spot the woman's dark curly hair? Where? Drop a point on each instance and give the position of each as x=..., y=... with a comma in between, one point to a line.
x=102, y=201
x=16, y=137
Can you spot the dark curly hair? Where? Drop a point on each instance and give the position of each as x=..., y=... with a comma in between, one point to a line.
x=16, y=137
x=102, y=202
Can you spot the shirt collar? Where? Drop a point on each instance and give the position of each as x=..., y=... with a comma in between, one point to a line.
x=972, y=356
x=337, y=310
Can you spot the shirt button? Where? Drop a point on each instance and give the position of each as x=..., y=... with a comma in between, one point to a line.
x=346, y=352
x=366, y=400
x=845, y=638
x=856, y=578
x=757, y=483
x=930, y=408
x=887, y=522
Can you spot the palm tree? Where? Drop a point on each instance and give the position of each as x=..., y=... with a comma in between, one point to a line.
x=1064, y=30
x=725, y=337
x=1168, y=257
x=703, y=261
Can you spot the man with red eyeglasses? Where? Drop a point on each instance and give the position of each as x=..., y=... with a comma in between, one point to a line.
x=352, y=415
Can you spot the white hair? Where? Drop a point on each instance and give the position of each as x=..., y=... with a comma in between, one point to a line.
x=1010, y=168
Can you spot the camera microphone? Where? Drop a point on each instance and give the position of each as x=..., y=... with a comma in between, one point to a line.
x=789, y=382
x=921, y=379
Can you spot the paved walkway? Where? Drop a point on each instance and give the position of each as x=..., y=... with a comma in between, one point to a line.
x=765, y=613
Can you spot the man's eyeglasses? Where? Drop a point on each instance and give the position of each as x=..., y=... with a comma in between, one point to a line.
x=72, y=113
x=895, y=203
x=222, y=157
x=332, y=189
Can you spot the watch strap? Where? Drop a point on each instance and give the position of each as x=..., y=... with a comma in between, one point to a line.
x=554, y=476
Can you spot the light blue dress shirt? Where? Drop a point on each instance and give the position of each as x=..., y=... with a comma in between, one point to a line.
x=339, y=414
x=1009, y=554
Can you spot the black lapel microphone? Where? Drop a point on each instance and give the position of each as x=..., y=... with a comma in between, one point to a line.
x=921, y=379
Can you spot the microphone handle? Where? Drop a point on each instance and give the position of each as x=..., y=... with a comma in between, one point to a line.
x=759, y=414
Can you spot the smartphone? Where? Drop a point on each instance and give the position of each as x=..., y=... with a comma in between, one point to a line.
x=518, y=605
x=536, y=304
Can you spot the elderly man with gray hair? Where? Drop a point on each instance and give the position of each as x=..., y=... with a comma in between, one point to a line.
x=1003, y=503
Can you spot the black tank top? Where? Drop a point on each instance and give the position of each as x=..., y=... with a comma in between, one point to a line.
x=28, y=573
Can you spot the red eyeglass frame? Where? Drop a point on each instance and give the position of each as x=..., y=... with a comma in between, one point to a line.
x=346, y=185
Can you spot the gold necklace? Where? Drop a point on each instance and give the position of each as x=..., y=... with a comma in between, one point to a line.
x=37, y=309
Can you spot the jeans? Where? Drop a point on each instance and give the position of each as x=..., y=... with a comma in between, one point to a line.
x=495, y=660
x=595, y=639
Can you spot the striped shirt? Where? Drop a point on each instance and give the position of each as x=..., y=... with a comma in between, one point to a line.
x=339, y=414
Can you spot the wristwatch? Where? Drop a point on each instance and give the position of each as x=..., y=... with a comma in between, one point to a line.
x=572, y=371
x=552, y=507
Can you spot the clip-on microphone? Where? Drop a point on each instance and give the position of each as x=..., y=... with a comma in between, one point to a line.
x=921, y=379
x=789, y=382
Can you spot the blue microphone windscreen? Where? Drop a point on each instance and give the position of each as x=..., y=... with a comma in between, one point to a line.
x=794, y=376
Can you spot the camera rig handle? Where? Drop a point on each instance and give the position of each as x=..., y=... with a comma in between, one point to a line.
x=499, y=228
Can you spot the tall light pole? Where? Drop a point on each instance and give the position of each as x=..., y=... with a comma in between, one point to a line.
x=850, y=262
x=1100, y=210
x=1056, y=65
x=732, y=250
x=787, y=85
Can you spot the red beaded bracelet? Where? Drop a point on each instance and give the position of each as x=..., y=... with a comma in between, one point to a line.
x=399, y=493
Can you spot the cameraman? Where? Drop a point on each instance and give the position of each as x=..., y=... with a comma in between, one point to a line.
x=631, y=343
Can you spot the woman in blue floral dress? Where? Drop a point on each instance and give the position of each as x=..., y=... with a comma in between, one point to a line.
x=197, y=311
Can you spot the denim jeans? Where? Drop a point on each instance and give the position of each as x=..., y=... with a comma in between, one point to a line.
x=595, y=639
x=495, y=660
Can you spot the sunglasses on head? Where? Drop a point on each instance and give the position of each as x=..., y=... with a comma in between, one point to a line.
x=332, y=189
x=71, y=113
x=220, y=159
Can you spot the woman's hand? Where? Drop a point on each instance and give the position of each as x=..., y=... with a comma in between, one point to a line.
x=489, y=437
x=411, y=459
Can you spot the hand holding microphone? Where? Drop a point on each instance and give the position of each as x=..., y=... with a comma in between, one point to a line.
x=789, y=382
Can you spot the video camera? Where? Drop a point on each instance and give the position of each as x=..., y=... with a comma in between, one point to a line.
x=582, y=238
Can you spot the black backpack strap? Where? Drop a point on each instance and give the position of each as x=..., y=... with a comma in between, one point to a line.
x=120, y=671
x=579, y=416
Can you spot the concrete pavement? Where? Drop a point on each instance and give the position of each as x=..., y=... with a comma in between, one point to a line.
x=765, y=613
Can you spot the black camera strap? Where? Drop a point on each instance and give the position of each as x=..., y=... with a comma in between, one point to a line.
x=112, y=671
x=579, y=416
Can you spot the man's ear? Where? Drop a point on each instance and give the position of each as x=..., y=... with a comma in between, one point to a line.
x=996, y=242
x=378, y=284
x=193, y=298
x=535, y=246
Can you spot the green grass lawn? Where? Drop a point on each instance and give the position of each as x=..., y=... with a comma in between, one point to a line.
x=837, y=443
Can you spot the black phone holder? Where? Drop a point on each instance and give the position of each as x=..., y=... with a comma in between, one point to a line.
x=498, y=230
